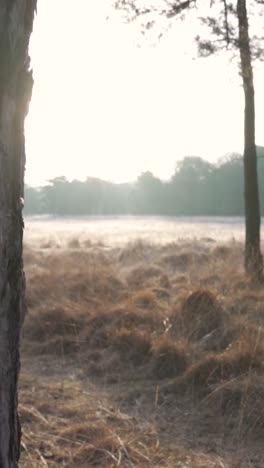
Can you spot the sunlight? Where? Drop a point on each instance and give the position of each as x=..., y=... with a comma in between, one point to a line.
x=103, y=107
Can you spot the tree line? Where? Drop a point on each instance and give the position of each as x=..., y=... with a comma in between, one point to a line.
x=197, y=188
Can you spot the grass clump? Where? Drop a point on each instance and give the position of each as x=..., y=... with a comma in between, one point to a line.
x=74, y=243
x=144, y=275
x=169, y=359
x=49, y=322
x=145, y=299
x=199, y=314
x=177, y=261
x=215, y=369
x=240, y=401
x=132, y=345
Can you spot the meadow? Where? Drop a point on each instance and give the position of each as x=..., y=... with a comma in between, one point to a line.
x=142, y=354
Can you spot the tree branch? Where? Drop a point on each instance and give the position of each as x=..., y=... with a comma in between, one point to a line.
x=180, y=6
x=226, y=22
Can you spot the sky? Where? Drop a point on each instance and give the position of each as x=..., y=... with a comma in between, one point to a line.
x=102, y=106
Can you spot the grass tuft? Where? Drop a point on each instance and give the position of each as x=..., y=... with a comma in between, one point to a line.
x=169, y=359
x=200, y=314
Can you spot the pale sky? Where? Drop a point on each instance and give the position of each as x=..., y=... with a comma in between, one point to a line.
x=104, y=107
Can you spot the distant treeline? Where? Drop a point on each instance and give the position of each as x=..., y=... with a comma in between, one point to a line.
x=197, y=187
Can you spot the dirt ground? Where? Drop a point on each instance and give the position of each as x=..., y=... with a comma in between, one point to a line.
x=142, y=356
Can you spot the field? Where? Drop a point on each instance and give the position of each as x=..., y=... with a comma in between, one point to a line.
x=141, y=355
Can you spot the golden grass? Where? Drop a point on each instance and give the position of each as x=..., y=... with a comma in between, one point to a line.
x=141, y=356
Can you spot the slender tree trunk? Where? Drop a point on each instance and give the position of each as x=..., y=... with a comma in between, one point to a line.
x=16, y=20
x=253, y=257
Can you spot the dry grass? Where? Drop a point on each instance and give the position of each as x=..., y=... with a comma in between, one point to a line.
x=141, y=356
x=200, y=314
x=170, y=359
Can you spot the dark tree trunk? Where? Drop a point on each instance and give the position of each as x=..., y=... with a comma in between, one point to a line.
x=253, y=257
x=16, y=20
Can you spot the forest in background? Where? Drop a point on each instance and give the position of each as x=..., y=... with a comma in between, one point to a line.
x=197, y=188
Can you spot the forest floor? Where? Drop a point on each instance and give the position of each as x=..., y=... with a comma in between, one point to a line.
x=142, y=356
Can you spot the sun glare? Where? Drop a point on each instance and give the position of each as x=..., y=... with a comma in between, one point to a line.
x=103, y=107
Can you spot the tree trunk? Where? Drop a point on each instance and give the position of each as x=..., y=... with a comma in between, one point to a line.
x=16, y=20
x=253, y=257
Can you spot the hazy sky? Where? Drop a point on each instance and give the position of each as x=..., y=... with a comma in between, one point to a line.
x=104, y=107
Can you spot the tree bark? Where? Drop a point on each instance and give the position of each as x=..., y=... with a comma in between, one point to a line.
x=16, y=22
x=253, y=257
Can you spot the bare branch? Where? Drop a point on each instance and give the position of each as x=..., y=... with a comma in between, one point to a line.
x=132, y=8
x=226, y=22
x=180, y=6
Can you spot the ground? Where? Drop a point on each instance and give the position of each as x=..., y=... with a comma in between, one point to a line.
x=140, y=356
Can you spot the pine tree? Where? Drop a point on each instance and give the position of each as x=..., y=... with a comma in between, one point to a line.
x=16, y=20
x=226, y=26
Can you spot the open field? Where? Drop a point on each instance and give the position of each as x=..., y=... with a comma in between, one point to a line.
x=118, y=230
x=141, y=355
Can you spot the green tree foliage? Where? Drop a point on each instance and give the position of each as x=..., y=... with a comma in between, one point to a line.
x=190, y=183
x=197, y=188
x=148, y=194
